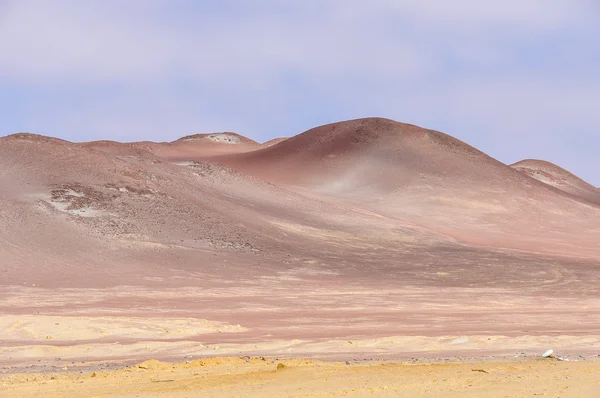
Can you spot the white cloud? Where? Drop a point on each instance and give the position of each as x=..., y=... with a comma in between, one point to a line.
x=94, y=41
x=80, y=41
x=471, y=15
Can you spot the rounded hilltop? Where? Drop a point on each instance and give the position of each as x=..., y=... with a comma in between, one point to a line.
x=557, y=177
x=221, y=137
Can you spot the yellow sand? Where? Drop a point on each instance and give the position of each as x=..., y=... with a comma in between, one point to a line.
x=225, y=377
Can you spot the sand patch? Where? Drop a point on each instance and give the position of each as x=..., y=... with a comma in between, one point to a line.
x=27, y=328
x=223, y=138
x=175, y=345
x=83, y=211
x=75, y=200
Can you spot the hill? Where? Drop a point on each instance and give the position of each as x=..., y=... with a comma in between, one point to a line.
x=559, y=178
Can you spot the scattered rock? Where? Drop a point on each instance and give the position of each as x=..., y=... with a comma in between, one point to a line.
x=548, y=354
x=280, y=366
x=150, y=365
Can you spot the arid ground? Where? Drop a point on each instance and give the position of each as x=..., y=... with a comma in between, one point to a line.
x=361, y=240
x=257, y=377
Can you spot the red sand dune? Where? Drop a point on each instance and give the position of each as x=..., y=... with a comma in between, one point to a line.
x=186, y=148
x=402, y=174
x=274, y=141
x=373, y=152
x=557, y=177
x=426, y=178
x=223, y=138
x=201, y=145
x=367, y=227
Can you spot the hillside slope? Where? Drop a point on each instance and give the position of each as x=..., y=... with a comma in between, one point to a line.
x=426, y=178
x=559, y=178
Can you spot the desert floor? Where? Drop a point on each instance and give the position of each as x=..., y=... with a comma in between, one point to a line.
x=361, y=241
x=258, y=377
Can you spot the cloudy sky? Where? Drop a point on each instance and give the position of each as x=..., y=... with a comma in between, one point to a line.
x=514, y=78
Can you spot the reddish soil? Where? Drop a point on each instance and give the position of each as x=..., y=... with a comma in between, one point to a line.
x=366, y=228
x=560, y=178
x=274, y=141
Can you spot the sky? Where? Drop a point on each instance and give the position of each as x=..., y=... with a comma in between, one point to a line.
x=516, y=79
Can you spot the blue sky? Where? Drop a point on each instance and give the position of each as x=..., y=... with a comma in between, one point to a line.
x=516, y=79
